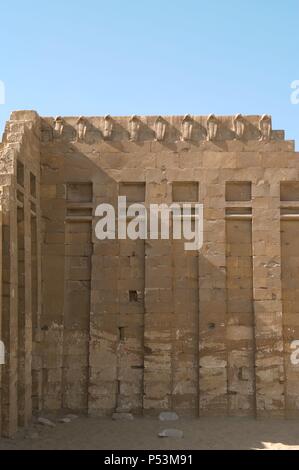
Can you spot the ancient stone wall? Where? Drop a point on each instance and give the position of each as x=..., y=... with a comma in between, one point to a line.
x=145, y=325
x=20, y=271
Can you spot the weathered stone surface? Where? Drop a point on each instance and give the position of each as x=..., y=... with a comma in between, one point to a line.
x=144, y=326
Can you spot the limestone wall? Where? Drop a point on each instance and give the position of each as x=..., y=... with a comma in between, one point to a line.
x=144, y=325
x=201, y=333
x=20, y=270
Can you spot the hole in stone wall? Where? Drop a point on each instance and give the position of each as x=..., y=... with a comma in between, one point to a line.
x=238, y=191
x=243, y=374
x=133, y=296
x=212, y=326
x=32, y=185
x=134, y=192
x=121, y=333
x=289, y=191
x=79, y=192
x=20, y=196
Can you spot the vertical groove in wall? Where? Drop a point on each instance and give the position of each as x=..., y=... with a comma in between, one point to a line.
x=39, y=403
x=34, y=259
x=185, y=327
x=158, y=326
x=27, y=321
x=21, y=316
x=5, y=322
x=10, y=322
x=290, y=305
x=240, y=318
x=76, y=315
x=102, y=387
x=130, y=324
x=36, y=366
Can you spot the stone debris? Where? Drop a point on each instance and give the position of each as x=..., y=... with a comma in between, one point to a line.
x=65, y=420
x=72, y=417
x=168, y=416
x=46, y=422
x=174, y=433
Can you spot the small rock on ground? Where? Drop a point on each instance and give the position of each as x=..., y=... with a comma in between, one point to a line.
x=65, y=420
x=72, y=417
x=168, y=416
x=46, y=422
x=171, y=433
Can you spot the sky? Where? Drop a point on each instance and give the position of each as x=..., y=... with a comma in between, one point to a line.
x=125, y=57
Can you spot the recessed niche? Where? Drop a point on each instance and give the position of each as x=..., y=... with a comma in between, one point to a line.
x=238, y=191
x=133, y=296
x=79, y=212
x=32, y=185
x=289, y=191
x=121, y=333
x=185, y=191
x=134, y=192
x=79, y=192
x=20, y=173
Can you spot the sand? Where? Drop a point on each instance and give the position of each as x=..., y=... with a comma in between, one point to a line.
x=205, y=433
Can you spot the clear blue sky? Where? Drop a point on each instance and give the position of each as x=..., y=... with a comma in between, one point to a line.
x=125, y=57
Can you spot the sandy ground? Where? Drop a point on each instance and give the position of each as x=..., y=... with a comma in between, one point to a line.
x=204, y=433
